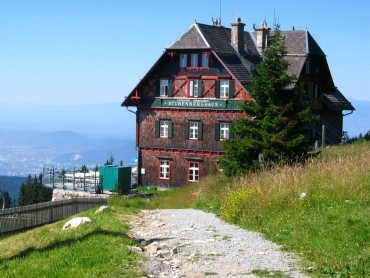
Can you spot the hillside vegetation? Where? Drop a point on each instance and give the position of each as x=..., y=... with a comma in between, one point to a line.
x=320, y=211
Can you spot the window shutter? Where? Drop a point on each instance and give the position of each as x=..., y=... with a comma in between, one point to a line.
x=186, y=130
x=170, y=93
x=157, y=128
x=200, y=131
x=231, y=89
x=157, y=87
x=217, y=89
x=217, y=131
x=200, y=88
x=170, y=129
x=231, y=133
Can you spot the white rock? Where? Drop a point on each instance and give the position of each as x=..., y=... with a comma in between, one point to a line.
x=75, y=222
x=102, y=208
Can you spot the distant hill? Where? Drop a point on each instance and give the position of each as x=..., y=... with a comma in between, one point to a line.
x=98, y=120
x=33, y=136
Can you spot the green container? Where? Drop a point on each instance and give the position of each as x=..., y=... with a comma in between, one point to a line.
x=112, y=176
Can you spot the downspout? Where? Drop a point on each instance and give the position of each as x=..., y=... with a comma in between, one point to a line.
x=137, y=146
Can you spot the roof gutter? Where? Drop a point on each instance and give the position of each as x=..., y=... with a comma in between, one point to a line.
x=347, y=113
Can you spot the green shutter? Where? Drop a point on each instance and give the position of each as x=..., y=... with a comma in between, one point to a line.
x=217, y=131
x=157, y=87
x=200, y=131
x=157, y=128
x=170, y=92
x=231, y=89
x=231, y=133
x=170, y=129
x=217, y=89
x=200, y=88
x=186, y=130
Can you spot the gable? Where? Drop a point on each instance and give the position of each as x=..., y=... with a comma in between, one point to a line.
x=191, y=39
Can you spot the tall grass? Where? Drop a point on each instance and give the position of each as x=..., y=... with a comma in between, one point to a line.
x=329, y=227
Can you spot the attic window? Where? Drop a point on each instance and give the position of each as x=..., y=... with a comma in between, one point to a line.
x=183, y=60
x=205, y=60
x=194, y=60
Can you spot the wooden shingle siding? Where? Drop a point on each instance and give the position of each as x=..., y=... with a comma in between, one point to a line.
x=149, y=119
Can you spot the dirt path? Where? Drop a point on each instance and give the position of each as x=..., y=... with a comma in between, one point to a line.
x=192, y=243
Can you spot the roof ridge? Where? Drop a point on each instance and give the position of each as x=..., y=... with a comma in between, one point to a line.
x=201, y=34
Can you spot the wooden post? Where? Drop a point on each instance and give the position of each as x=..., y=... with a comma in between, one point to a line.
x=323, y=137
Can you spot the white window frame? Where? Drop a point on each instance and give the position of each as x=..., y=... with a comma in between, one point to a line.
x=224, y=88
x=194, y=60
x=224, y=131
x=205, y=60
x=183, y=60
x=164, y=128
x=193, y=171
x=194, y=88
x=164, y=169
x=193, y=130
x=163, y=87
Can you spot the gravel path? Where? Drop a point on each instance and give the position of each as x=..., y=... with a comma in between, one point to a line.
x=193, y=243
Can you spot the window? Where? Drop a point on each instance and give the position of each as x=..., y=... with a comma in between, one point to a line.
x=193, y=171
x=163, y=129
x=163, y=91
x=316, y=93
x=194, y=130
x=205, y=60
x=183, y=60
x=224, y=131
x=308, y=65
x=194, y=60
x=195, y=89
x=224, y=88
x=164, y=169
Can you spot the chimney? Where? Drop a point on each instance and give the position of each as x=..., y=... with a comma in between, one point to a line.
x=262, y=33
x=237, y=35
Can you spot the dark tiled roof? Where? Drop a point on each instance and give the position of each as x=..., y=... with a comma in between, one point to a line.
x=191, y=39
x=336, y=101
x=241, y=65
x=218, y=39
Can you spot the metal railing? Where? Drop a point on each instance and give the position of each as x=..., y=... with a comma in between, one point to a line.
x=20, y=218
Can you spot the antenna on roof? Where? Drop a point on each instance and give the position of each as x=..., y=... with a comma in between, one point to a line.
x=220, y=14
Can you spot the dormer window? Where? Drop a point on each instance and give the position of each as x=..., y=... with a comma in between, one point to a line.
x=183, y=60
x=194, y=60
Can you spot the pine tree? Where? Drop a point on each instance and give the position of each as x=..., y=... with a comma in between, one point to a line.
x=5, y=200
x=273, y=125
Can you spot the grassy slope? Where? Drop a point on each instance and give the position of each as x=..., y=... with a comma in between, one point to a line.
x=329, y=228
x=97, y=249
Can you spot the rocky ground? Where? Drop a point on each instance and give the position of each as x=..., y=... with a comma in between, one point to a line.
x=192, y=243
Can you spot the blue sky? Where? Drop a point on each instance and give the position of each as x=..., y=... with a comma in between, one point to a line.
x=88, y=52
